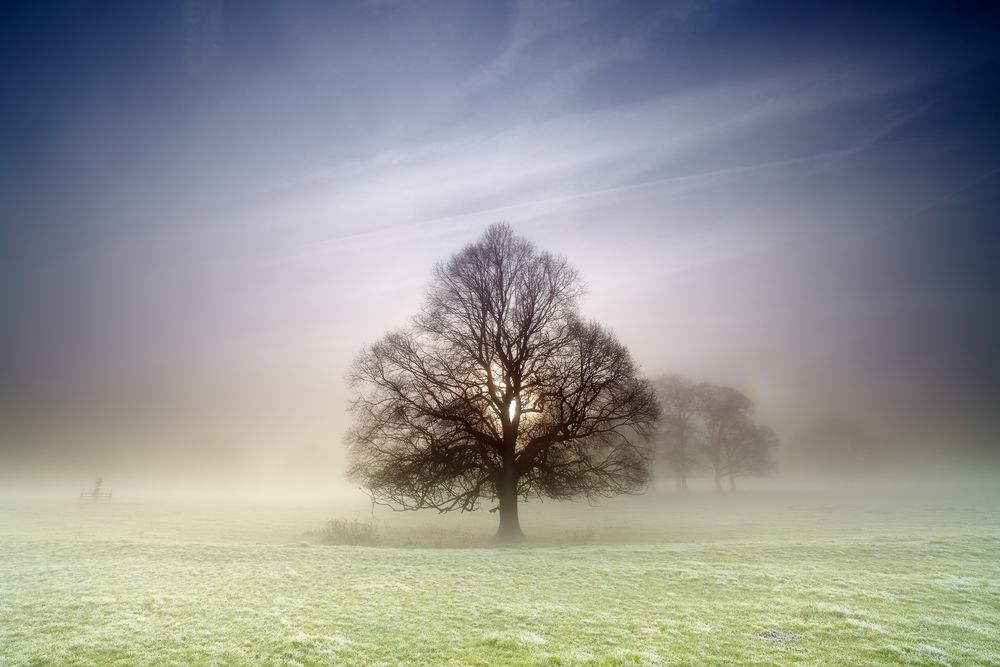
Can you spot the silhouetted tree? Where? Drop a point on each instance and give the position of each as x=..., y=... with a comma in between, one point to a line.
x=679, y=428
x=497, y=390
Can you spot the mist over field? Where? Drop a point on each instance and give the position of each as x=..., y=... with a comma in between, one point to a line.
x=524, y=333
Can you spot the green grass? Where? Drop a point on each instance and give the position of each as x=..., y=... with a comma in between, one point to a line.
x=743, y=580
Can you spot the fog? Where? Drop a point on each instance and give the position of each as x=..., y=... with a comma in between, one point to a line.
x=210, y=211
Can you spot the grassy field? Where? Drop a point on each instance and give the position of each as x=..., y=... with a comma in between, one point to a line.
x=755, y=578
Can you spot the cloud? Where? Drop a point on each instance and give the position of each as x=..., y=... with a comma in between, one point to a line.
x=572, y=156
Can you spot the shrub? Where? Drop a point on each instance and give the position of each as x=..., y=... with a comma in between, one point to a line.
x=353, y=533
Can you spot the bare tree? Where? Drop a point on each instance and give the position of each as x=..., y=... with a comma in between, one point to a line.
x=679, y=426
x=746, y=450
x=497, y=390
x=723, y=411
x=734, y=443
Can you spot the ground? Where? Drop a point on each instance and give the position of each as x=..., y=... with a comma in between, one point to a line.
x=755, y=578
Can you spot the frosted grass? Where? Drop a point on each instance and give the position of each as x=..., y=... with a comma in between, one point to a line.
x=902, y=589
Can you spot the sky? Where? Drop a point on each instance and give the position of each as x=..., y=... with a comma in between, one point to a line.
x=207, y=209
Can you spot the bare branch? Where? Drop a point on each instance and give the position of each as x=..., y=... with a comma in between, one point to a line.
x=497, y=387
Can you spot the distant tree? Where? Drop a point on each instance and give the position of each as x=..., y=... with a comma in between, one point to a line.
x=746, y=449
x=677, y=437
x=733, y=443
x=497, y=390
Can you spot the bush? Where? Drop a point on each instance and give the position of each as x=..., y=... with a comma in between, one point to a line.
x=353, y=533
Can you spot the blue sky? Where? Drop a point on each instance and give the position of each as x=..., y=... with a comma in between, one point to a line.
x=208, y=207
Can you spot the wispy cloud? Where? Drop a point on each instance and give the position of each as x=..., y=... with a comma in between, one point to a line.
x=570, y=157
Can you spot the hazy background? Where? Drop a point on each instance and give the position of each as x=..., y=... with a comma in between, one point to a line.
x=208, y=208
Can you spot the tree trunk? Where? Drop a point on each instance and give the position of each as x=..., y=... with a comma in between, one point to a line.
x=510, y=526
x=717, y=467
x=684, y=464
